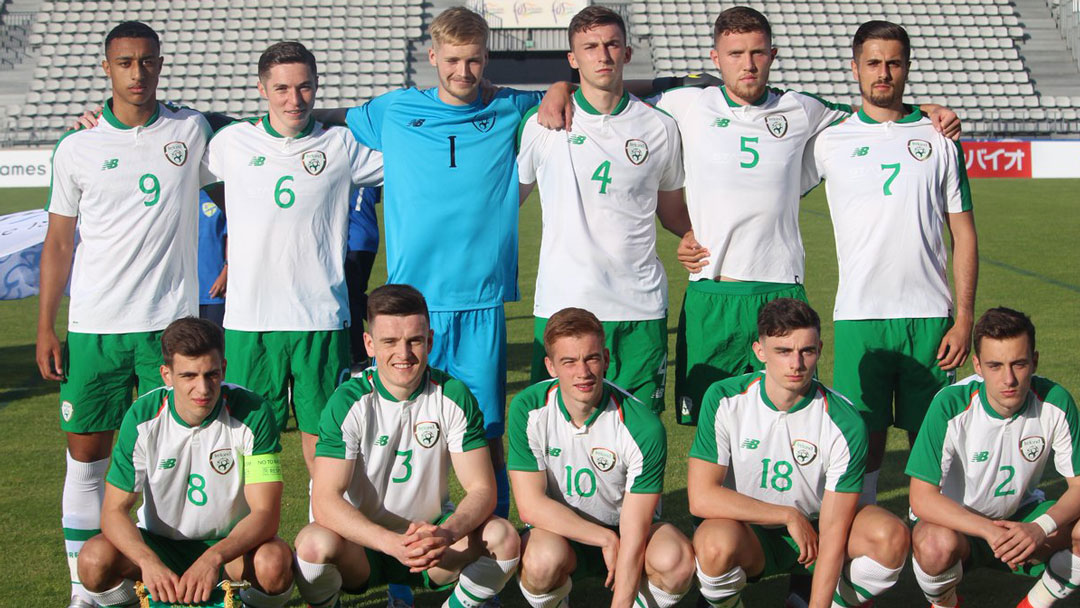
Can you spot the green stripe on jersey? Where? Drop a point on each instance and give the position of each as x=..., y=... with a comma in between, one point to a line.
x=704, y=446
x=331, y=444
x=253, y=411
x=925, y=460
x=1054, y=394
x=961, y=172
x=520, y=457
x=456, y=391
x=648, y=433
x=846, y=418
x=521, y=126
x=147, y=407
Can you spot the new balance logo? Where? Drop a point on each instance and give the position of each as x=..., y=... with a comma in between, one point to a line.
x=980, y=457
x=382, y=440
x=416, y=122
x=112, y=163
x=577, y=140
x=257, y=161
x=554, y=452
x=166, y=463
x=721, y=122
x=751, y=444
x=863, y=151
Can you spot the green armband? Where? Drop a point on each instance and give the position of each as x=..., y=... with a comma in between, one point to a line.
x=262, y=468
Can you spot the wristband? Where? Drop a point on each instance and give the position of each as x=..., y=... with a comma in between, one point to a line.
x=1045, y=522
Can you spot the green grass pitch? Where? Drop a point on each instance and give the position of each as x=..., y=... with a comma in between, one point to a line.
x=1028, y=251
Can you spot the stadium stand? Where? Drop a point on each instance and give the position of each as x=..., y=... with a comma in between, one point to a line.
x=968, y=53
x=211, y=51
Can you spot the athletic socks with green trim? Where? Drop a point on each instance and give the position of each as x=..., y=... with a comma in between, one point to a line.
x=84, y=489
x=864, y=579
x=651, y=596
x=939, y=589
x=722, y=591
x=1060, y=578
x=480, y=581
x=319, y=584
x=552, y=599
x=122, y=595
x=253, y=598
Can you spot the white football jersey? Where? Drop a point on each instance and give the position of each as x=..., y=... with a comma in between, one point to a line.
x=287, y=200
x=889, y=187
x=783, y=458
x=621, y=448
x=598, y=192
x=401, y=449
x=743, y=177
x=191, y=478
x=135, y=191
x=990, y=464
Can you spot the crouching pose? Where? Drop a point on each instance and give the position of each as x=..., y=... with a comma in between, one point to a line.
x=205, y=458
x=976, y=466
x=587, y=468
x=796, y=451
x=381, y=493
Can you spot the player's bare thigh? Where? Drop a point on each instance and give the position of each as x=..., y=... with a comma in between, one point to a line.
x=496, y=538
x=879, y=535
x=268, y=566
x=547, y=560
x=722, y=544
x=318, y=545
x=669, y=558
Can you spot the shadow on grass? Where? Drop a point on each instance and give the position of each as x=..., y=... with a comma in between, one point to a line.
x=19, y=376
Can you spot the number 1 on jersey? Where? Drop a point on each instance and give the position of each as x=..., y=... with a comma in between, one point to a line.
x=601, y=175
x=453, y=149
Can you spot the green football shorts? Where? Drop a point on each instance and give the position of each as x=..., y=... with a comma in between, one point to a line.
x=100, y=373
x=717, y=328
x=638, y=357
x=388, y=570
x=781, y=551
x=312, y=363
x=880, y=361
x=982, y=556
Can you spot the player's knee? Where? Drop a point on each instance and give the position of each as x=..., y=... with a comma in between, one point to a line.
x=273, y=566
x=96, y=560
x=1076, y=538
x=715, y=545
x=316, y=544
x=890, y=541
x=935, y=548
x=671, y=565
x=543, y=568
x=501, y=539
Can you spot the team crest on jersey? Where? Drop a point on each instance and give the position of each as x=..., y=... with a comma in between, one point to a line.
x=208, y=209
x=314, y=162
x=66, y=410
x=1032, y=447
x=426, y=433
x=919, y=149
x=777, y=125
x=484, y=122
x=602, y=458
x=803, y=451
x=637, y=151
x=222, y=460
x=176, y=153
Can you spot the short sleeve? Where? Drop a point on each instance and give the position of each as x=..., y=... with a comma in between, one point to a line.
x=465, y=423
x=337, y=437
x=1067, y=434
x=677, y=102
x=531, y=145
x=821, y=114
x=258, y=416
x=813, y=165
x=524, y=100
x=525, y=452
x=366, y=165
x=711, y=441
x=847, y=455
x=212, y=168
x=925, y=459
x=673, y=176
x=123, y=472
x=647, y=474
x=365, y=121
x=957, y=190
x=64, y=189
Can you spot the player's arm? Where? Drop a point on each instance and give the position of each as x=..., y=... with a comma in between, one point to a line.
x=956, y=344
x=709, y=499
x=671, y=209
x=257, y=527
x=931, y=506
x=1022, y=539
x=834, y=527
x=635, y=522
x=120, y=530
x=538, y=510
x=56, y=255
x=217, y=290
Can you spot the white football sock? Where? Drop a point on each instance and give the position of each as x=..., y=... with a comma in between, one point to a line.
x=864, y=579
x=257, y=599
x=940, y=589
x=479, y=581
x=84, y=489
x=1059, y=580
x=654, y=597
x=120, y=595
x=319, y=584
x=552, y=599
x=722, y=591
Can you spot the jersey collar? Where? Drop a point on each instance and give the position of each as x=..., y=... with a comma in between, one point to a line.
x=990, y=411
x=914, y=115
x=206, y=421
x=385, y=394
x=107, y=113
x=273, y=133
x=604, y=400
x=760, y=101
x=579, y=97
x=810, y=394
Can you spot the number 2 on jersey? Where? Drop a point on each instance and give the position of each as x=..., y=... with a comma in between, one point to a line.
x=1000, y=490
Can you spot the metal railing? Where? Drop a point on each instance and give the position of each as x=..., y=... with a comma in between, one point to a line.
x=1067, y=15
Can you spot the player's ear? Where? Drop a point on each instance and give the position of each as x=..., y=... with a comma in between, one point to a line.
x=550, y=366
x=714, y=55
x=166, y=375
x=627, y=54
x=431, y=55
x=262, y=89
x=1034, y=361
x=855, y=70
x=369, y=345
x=572, y=60
x=977, y=364
x=430, y=339
x=759, y=350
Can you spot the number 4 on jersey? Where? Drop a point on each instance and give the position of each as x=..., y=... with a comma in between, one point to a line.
x=601, y=175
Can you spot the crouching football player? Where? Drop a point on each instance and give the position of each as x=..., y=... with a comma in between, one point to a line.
x=380, y=497
x=204, y=456
x=587, y=468
x=976, y=466
x=796, y=451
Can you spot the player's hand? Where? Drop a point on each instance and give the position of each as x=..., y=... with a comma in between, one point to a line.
x=1018, y=543
x=88, y=120
x=946, y=122
x=50, y=357
x=556, y=109
x=955, y=346
x=802, y=532
x=610, y=551
x=425, y=545
x=691, y=254
x=199, y=580
x=217, y=290
x=160, y=582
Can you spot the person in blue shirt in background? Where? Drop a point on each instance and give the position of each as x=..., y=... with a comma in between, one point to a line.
x=360, y=257
x=213, y=267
